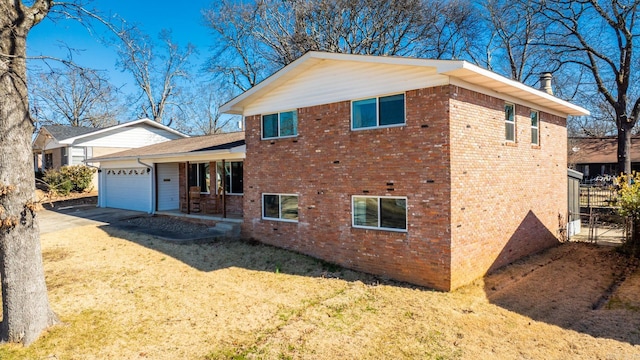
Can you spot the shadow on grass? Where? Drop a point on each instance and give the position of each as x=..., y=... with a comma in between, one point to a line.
x=219, y=254
x=569, y=286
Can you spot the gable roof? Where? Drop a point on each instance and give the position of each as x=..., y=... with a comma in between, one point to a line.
x=66, y=134
x=456, y=71
x=179, y=147
x=600, y=150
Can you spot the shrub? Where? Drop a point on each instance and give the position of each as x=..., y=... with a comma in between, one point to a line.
x=80, y=176
x=69, y=178
x=629, y=202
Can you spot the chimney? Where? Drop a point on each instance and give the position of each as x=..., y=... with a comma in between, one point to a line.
x=545, y=83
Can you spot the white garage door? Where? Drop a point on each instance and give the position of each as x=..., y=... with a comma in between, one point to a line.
x=128, y=188
x=168, y=187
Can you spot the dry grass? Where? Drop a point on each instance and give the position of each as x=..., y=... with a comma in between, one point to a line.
x=130, y=296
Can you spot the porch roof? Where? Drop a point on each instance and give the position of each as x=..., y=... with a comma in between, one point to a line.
x=182, y=149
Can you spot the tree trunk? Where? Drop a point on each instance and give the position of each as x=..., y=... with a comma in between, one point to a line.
x=624, y=147
x=25, y=305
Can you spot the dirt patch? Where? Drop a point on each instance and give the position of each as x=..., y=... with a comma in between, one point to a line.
x=124, y=295
x=49, y=201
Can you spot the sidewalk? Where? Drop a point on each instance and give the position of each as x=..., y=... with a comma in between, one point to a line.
x=601, y=235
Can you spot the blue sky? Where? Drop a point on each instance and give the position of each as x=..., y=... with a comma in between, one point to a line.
x=185, y=21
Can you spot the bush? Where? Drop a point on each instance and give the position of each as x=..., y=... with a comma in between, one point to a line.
x=69, y=178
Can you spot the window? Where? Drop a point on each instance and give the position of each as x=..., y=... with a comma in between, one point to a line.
x=48, y=161
x=233, y=177
x=282, y=207
x=510, y=122
x=79, y=155
x=284, y=124
x=377, y=112
x=535, y=128
x=199, y=176
x=380, y=212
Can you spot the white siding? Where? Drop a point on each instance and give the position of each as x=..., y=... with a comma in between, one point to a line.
x=127, y=137
x=332, y=81
x=168, y=187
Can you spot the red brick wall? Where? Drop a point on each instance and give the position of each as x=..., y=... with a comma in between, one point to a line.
x=327, y=163
x=208, y=203
x=505, y=197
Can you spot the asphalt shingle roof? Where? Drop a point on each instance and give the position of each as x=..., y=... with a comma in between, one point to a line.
x=62, y=132
x=182, y=146
x=600, y=150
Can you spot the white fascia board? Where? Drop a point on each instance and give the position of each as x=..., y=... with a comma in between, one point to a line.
x=510, y=85
x=179, y=157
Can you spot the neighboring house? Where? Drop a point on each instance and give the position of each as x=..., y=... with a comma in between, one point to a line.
x=200, y=174
x=427, y=171
x=59, y=145
x=598, y=156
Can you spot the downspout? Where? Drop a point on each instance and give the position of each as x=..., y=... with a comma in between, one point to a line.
x=149, y=169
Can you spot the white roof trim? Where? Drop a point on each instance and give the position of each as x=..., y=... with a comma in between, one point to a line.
x=240, y=152
x=454, y=68
x=135, y=122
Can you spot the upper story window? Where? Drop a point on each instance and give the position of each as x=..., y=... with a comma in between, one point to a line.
x=535, y=128
x=510, y=122
x=233, y=177
x=378, y=112
x=380, y=212
x=283, y=124
x=199, y=176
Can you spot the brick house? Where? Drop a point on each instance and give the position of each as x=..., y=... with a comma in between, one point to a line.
x=426, y=171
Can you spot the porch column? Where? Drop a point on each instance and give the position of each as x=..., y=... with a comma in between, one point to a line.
x=224, y=189
x=186, y=184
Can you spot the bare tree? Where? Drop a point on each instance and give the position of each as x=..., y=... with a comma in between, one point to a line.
x=203, y=111
x=256, y=39
x=600, y=37
x=25, y=305
x=157, y=70
x=156, y=73
x=74, y=96
x=516, y=28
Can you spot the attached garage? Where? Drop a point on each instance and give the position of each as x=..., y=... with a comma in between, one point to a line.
x=127, y=188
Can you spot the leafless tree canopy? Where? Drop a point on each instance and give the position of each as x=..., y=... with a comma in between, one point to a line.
x=600, y=37
x=74, y=96
x=256, y=39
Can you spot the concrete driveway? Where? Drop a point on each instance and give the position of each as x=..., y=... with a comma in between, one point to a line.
x=74, y=216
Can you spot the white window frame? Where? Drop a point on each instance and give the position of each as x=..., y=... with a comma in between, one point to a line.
x=379, y=227
x=280, y=195
x=506, y=121
x=537, y=127
x=378, y=126
x=278, y=137
x=198, y=176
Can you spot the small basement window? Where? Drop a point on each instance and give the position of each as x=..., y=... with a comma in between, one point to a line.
x=282, y=207
x=380, y=212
